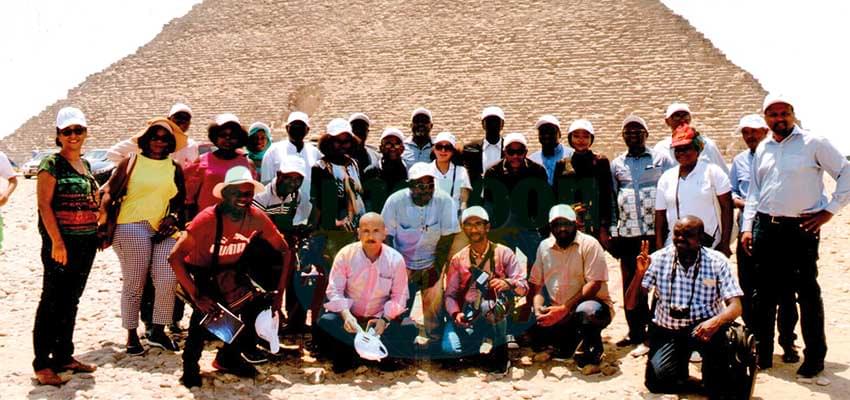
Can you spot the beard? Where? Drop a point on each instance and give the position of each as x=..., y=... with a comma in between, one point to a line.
x=564, y=240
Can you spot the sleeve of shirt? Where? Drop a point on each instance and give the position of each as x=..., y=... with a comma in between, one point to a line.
x=515, y=272
x=753, y=194
x=536, y=276
x=463, y=177
x=270, y=164
x=399, y=292
x=649, y=278
x=714, y=155
x=733, y=179
x=661, y=194
x=837, y=166
x=120, y=150
x=6, y=170
x=448, y=218
x=729, y=286
x=720, y=181
x=337, y=279
x=595, y=268
x=453, y=287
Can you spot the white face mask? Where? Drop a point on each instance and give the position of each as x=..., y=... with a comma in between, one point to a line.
x=369, y=346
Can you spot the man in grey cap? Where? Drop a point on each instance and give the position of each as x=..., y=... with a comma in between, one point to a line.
x=786, y=207
x=419, y=147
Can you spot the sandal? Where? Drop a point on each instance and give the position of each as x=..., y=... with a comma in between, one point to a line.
x=76, y=366
x=46, y=376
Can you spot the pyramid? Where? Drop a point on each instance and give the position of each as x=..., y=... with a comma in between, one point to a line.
x=261, y=59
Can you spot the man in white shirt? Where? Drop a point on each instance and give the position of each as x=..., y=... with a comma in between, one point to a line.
x=480, y=155
x=678, y=114
x=367, y=289
x=786, y=207
x=181, y=115
x=549, y=134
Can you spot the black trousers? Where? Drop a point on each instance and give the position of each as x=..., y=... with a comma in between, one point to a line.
x=584, y=325
x=228, y=353
x=62, y=287
x=787, y=316
x=397, y=338
x=627, y=249
x=786, y=261
x=669, y=352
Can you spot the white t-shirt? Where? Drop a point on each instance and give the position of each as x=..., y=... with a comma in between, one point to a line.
x=449, y=186
x=697, y=194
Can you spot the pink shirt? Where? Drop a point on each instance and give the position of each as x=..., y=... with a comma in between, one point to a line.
x=366, y=288
x=458, y=275
x=207, y=171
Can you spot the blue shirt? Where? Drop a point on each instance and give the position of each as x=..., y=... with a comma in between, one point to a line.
x=416, y=230
x=739, y=177
x=635, y=180
x=548, y=163
x=414, y=154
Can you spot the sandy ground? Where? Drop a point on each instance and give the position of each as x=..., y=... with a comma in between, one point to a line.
x=99, y=339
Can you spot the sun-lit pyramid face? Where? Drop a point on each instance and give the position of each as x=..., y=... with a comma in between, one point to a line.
x=596, y=60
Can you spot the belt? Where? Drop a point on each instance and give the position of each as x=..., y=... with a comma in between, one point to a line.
x=781, y=220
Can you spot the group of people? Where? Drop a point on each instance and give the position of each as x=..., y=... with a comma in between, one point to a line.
x=352, y=233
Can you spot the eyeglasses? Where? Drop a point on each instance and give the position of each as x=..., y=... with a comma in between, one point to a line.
x=79, y=131
x=444, y=147
x=515, y=152
x=422, y=186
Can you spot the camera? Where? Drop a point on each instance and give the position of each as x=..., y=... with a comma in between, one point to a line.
x=680, y=312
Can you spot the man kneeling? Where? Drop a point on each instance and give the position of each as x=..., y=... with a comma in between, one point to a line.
x=690, y=281
x=367, y=289
x=210, y=250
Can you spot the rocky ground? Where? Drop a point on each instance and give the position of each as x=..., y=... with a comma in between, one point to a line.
x=99, y=339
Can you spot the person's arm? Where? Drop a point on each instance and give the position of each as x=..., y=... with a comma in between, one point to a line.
x=453, y=297
x=13, y=183
x=726, y=211
x=335, y=292
x=121, y=150
x=660, y=228
x=399, y=292
x=636, y=287
x=606, y=202
x=753, y=195
x=738, y=198
x=831, y=160
x=515, y=273
x=441, y=254
x=44, y=193
x=176, y=259
x=706, y=329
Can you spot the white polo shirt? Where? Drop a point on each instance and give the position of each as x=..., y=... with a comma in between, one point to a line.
x=697, y=194
x=455, y=179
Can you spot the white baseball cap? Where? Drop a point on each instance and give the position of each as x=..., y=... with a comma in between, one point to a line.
x=547, y=119
x=237, y=176
x=562, y=211
x=298, y=116
x=581, y=124
x=493, y=111
x=266, y=325
x=445, y=137
x=222, y=119
x=369, y=346
x=293, y=164
x=179, y=107
x=420, y=170
x=338, y=126
x=634, y=118
x=474, y=211
x=776, y=98
x=361, y=116
x=392, y=132
x=676, y=107
x=515, y=137
x=421, y=110
x=68, y=116
x=753, y=121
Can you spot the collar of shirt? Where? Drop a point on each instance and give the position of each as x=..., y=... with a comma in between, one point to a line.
x=772, y=141
x=553, y=243
x=410, y=142
x=486, y=144
x=646, y=153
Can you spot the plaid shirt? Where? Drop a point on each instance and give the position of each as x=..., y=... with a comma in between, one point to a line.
x=713, y=284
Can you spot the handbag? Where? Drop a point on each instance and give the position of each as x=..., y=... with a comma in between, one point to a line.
x=116, y=187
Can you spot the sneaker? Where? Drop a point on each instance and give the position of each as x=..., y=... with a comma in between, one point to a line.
x=239, y=367
x=135, y=349
x=810, y=369
x=254, y=356
x=162, y=341
x=500, y=369
x=190, y=380
x=695, y=357
x=790, y=355
x=591, y=357
x=639, y=351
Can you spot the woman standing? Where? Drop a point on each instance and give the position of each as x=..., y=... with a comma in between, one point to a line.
x=259, y=141
x=229, y=137
x=450, y=177
x=148, y=189
x=67, y=222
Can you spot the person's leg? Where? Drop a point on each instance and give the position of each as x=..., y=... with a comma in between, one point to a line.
x=132, y=245
x=768, y=258
x=667, y=363
x=432, y=305
x=746, y=279
x=399, y=338
x=192, y=350
x=165, y=283
x=811, y=304
x=718, y=380
x=45, y=331
x=146, y=305
x=637, y=318
x=340, y=342
x=81, y=253
x=593, y=316
x=787, y=318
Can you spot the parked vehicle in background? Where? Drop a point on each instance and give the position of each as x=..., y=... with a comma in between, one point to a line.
x=101, y=167
x=205, y=148
x=30, y=168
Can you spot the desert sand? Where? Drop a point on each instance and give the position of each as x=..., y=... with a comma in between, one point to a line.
x=99, y=339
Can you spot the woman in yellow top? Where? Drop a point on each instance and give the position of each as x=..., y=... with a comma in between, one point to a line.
x=149, y=218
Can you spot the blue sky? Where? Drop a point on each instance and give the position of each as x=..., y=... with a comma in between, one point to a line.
x=793, y=47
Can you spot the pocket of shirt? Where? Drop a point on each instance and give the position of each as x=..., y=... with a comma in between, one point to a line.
x=384, y=286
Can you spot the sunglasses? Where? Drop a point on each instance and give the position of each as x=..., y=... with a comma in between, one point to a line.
x=422, y=186
x=391, y=145
x=79, y=131
x=515, y=152
x=444, y=147
x=164, y=139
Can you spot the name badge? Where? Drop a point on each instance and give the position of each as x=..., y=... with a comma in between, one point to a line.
x=709, y=282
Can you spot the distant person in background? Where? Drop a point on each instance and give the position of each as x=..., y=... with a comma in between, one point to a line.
x=678, y=114
x=635, y=175
x=584, y=181
x=418, y=148
x=480, y=155
x=551, y=150
x=181, y=115
x=259, y=141
x=389, y=175
x=753, y=130
x=366, y=156
x=229, y=137
x=67, y=221
x=450, y=177
x=151, y=194
x=6, y=188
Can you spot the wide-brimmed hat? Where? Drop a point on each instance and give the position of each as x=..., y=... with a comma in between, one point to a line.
x=237, y=176
x=180, y=137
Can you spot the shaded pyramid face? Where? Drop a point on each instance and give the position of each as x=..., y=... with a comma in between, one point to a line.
x=599, y=60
